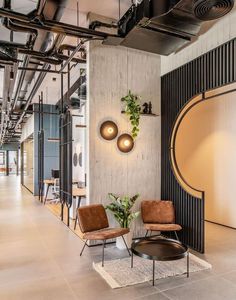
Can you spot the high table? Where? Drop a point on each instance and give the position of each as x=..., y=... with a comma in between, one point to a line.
x=50, y=182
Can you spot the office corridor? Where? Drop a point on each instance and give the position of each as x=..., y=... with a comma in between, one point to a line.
x=40, y=259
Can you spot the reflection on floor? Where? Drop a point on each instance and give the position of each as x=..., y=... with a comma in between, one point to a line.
x=40, y=259
x=55, y=208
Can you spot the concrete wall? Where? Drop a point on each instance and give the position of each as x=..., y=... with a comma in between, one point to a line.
x=223, y=31
x=112, y=71
x=27, y=128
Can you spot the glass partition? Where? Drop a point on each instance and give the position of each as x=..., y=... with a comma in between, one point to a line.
x=27, y=163
x=12, y=162
x=2, y=163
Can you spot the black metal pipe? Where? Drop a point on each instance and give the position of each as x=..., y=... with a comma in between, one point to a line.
x=93, y=25
x=67, y=47
x=52, y=26
x=8, y=44
x=20, y=82
x=39, y=70
x=13, y=27
x=44, y=57
x=74, y=59
x=9, y=24
x=34, y=90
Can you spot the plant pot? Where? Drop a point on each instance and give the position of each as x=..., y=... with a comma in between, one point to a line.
x=128, y=239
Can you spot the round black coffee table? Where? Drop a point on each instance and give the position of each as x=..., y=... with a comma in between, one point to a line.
x=161, y=249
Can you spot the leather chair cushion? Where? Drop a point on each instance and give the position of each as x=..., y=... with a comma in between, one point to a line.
x=158, y=211
x=162, y=227
x=105, y=234
x=92, y=217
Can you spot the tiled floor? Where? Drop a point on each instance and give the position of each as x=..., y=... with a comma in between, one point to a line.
x=39, y=259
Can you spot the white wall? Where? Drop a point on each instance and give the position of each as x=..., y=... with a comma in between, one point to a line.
x=27, y=128
x=112, y=71
x=79, y=145
x=206, y=155
x=223, y=31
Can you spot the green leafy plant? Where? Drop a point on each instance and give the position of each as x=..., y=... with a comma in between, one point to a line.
x=132, y=110
x=121, y=208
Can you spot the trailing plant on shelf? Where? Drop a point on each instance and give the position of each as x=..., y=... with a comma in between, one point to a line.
x=121, y=208
x=133, y=110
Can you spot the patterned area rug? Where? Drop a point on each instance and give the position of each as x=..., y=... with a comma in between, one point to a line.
x=118, y=273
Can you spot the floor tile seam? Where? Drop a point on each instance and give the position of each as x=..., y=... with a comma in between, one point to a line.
x=188, y=283
x=229, y=281
x=147, y=295
x=167, y=296
x=29, y=281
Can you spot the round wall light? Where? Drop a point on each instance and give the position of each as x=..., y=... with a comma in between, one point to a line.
x=125, y=143
x=108, y=130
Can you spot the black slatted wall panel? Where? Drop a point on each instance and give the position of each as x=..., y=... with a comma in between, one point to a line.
x=211, y=70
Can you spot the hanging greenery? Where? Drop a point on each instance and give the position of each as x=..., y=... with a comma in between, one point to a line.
x=132, y=110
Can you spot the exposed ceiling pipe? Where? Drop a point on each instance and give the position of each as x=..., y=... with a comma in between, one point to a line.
x=44, y=18
x=16, y=28
x=49, y=9
x=68, y=47
x=46, y=57
x=20, y=82
x=33, y=92
x=12, y=45
x=53, y=26
x=8, y=85
x=39, y=70
x=70, y=58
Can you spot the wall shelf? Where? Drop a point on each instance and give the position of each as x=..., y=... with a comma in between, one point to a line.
x=142, y=114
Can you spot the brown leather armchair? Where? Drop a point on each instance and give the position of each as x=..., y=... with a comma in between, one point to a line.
x=94, y=225
x=159, y=215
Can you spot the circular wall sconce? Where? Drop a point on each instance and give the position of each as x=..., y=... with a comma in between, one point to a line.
x=125, y=143
x=108, y=130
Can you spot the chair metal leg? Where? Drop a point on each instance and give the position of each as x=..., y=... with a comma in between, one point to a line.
x=146, y=233
x=76, y=219
x=176, y=235
x=78, y=206
x=104, y=242
x=126, y=245
x=188, y=264
x=153, y=273
x=85, y=244
x=45, y=198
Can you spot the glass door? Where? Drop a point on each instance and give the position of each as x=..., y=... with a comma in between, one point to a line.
x=12, y=162
x=2, y=163
x=27, y=163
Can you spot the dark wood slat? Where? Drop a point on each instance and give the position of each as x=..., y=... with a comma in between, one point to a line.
x=211, y=70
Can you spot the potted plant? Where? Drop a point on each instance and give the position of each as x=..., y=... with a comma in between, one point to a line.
x=132, y=110
x=121, y=208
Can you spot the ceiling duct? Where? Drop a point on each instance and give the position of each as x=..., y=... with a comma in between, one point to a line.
x=212, y=9
x=164, y=26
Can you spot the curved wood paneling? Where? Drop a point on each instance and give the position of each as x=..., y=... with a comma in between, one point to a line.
x=212, y=70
